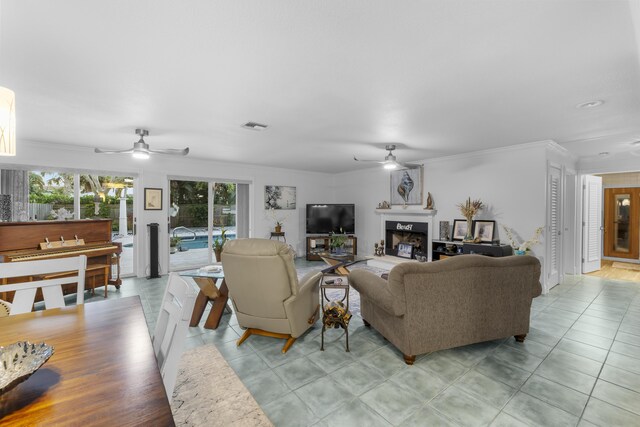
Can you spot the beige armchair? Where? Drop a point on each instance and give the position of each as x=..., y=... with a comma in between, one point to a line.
x=264, y=289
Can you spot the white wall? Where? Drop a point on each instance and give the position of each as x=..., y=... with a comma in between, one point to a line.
x=510, y=181
x=621, y=180
x=310, y=186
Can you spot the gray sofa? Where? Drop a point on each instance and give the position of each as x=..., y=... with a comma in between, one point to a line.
x=424, y=307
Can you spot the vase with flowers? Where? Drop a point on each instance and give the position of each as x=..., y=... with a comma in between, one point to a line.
x=524, y=247
x=469, y=209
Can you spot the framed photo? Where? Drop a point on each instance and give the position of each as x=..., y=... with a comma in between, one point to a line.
x=405, y=250
x=484, y=230
x=279, y=197
x=459, y=229
x=153, y=199
x=444, y=230
x=406, y=186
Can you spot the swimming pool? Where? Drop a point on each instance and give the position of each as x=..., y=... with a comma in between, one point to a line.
x=201, y=241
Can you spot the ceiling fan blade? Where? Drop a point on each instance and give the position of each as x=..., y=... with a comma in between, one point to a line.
x=362, y=160
x=171, y=151
x=101, y=151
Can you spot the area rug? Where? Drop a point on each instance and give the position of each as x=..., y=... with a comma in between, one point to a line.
x=209, y=393
x=626, y=266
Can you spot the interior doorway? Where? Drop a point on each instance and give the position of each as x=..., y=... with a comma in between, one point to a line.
x=621, y=223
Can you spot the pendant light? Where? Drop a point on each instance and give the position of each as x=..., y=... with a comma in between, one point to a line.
x=7, y=122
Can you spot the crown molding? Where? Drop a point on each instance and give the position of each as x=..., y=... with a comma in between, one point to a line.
x=489, y=151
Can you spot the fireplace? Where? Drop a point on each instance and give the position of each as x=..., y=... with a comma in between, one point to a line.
x=415, y=233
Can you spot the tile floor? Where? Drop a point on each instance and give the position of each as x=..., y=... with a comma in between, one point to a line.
x=580, y=365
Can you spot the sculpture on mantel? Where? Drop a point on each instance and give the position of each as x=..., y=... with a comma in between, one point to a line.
x=429, y=202
x=378, y=248
x=384, y=205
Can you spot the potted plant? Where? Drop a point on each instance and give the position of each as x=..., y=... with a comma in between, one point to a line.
x=277, y=219
x=218, y=243
x=337, y=242
x=173, y=244
x=524, y=247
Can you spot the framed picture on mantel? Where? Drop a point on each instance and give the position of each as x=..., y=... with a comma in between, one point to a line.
x=485, y=230
x=459, y=229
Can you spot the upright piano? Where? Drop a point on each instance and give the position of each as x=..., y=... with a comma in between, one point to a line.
x=27, y=241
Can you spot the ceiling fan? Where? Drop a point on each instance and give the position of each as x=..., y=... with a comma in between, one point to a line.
x=390, y=161
x=141, y=149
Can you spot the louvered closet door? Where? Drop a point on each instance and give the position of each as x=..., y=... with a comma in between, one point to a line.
x=554, y=224
x=592, y=223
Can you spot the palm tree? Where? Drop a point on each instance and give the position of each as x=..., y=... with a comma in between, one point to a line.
x=36, y=182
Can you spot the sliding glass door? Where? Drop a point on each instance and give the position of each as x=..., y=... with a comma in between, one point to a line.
x=188, y=229
x=202, y=215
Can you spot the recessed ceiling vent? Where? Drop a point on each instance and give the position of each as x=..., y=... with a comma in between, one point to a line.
x=254, y=126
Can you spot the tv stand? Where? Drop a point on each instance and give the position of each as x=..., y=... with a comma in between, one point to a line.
x=317, y=244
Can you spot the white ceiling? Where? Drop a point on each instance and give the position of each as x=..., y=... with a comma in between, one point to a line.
x=331, y=79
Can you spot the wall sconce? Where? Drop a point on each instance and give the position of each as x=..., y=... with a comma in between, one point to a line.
x=7, y=122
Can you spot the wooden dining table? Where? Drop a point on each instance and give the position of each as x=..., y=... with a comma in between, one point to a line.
x=103, y=370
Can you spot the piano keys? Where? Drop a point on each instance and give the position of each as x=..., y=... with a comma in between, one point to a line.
x=20, y=241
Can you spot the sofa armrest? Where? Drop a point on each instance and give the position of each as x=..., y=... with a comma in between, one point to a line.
x=377, y=290
x=537, y=290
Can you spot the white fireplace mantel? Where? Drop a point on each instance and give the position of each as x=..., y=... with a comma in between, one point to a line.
x=406, y=213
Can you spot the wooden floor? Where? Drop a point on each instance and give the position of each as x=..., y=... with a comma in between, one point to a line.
x=608, y=272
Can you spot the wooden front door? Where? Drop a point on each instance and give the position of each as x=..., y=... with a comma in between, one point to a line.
x=621, y=220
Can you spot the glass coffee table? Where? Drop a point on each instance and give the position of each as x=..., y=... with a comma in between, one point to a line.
x=207, y=279
x=338, y=263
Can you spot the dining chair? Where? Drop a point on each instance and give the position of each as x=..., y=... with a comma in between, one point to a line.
x=31, y=273
x=5, y=308
x=171, y=328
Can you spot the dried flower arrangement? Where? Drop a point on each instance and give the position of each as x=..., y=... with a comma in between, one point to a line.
x=470, y=208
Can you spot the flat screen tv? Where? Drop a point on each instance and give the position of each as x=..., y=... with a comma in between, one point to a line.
x=331, y=218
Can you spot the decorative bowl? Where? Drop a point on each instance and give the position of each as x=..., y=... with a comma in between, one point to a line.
x=19, y=360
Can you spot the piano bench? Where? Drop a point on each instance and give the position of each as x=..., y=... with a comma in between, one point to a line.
x=93, y=271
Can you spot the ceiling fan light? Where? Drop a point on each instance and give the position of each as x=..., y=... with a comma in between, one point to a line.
x=140, y=155
x=7, y=122
x=390, y=166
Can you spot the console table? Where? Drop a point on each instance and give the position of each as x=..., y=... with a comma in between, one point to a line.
x=322, y=244
x=469, y=248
